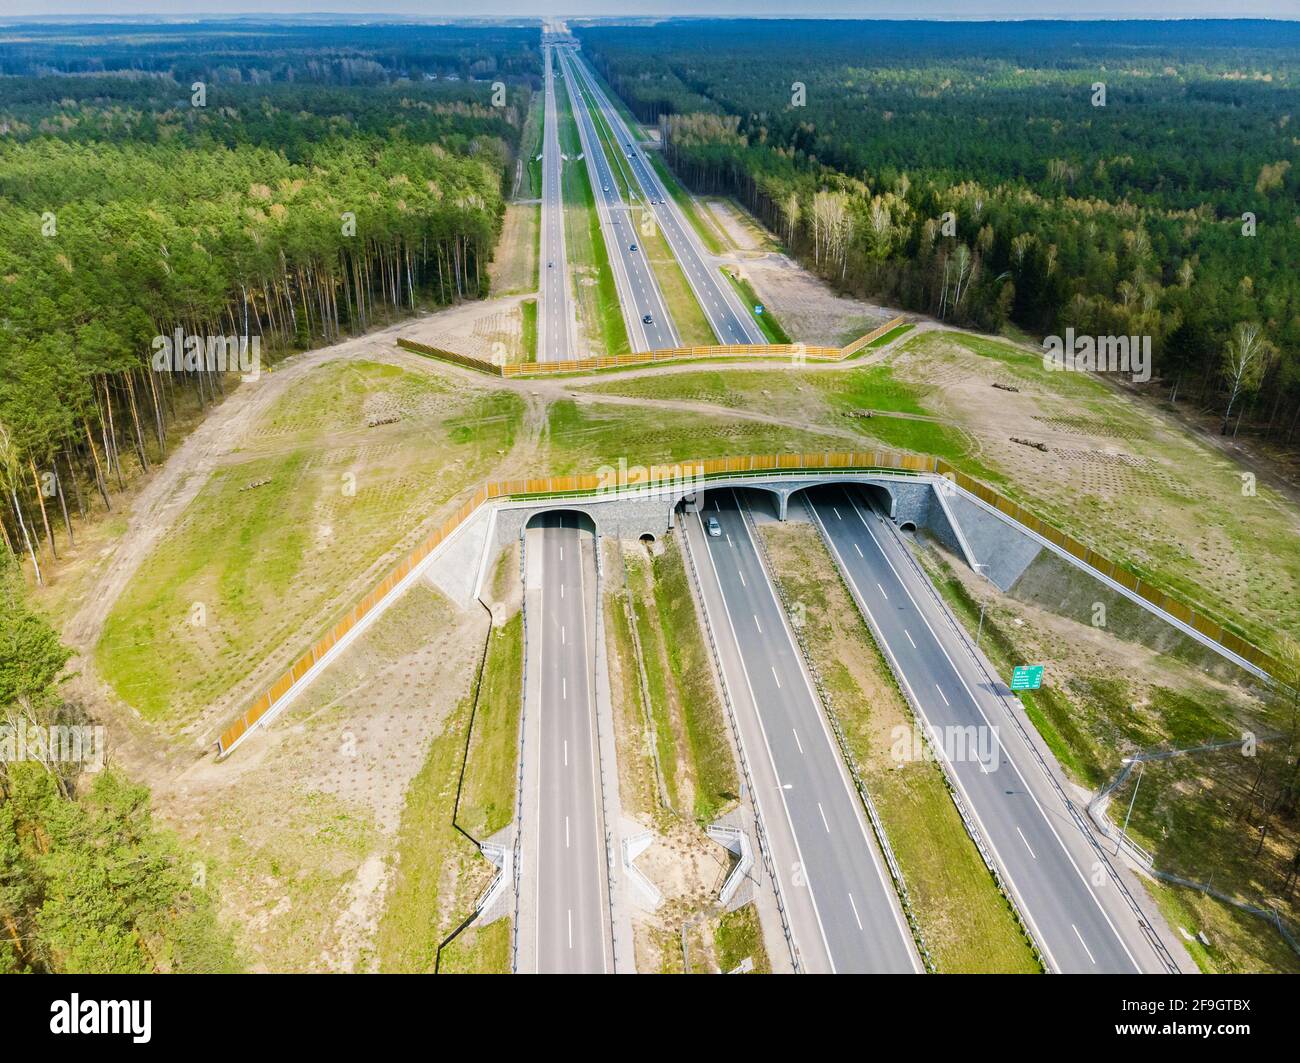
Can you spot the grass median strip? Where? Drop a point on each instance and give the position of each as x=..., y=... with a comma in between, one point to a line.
x=665, y=706
x=699, y=770
x=968, y=925
x=596, y=293
x=528, y=311
x=636, y=760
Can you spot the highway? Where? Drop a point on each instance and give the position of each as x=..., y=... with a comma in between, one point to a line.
x=731, y=320
x=639, y=293
x=572, y=912
x=555, y=335
x=1048, y=863
x=842, y=908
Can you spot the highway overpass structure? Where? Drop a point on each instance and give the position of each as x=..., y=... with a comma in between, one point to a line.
x=840, y=908
x=1077, y=905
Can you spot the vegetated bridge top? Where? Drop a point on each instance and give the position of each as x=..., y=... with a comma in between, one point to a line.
x=720, y=470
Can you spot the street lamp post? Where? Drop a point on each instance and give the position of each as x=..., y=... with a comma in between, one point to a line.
x=983, y=604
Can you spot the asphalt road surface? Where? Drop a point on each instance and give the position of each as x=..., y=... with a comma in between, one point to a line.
x=555, y=341
x=844, y=913
x=572, y=913
x=1076, y=923
x=638, y=290
x=731, y=320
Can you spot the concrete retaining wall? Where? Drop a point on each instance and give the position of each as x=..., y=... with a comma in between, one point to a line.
x=1003, y=551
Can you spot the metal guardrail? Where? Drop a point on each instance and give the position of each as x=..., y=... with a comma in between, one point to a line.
x=498, y=855
x=846, y=751
x=610, y=847
x=764, y=847
x=523, y=741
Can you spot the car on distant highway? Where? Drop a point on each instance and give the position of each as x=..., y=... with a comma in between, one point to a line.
x=647, y=319
x=631, y=247
x=549, y=265
x=715, y=529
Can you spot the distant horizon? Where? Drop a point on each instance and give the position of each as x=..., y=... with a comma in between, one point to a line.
x=56, y=11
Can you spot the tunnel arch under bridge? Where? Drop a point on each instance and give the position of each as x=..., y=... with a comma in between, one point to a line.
x=561, y=517
x=637, y=512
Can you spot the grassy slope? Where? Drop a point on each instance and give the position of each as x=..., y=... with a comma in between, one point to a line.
x=1185, y=523
x=488, y=800
x=817, y=396
x=439, y=873
x=582, y=438
x=270, y=564
x=893, y=334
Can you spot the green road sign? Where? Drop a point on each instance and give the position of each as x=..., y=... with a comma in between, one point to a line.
x=1027, y=677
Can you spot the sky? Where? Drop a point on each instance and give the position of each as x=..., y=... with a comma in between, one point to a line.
x=443, y=9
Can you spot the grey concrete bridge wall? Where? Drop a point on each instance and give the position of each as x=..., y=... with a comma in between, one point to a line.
x=1001, y=548
x=624, y=516
x=633, y=513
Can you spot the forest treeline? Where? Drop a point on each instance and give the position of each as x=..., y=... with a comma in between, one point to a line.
x=266, y=216
x=88, y=883
x=974, y=172
x=283, y=51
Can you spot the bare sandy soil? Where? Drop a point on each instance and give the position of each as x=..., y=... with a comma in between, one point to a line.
x=808, y=309
x=740, y=229
x=514, y=266
x=301, y=825
x=491, y=330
